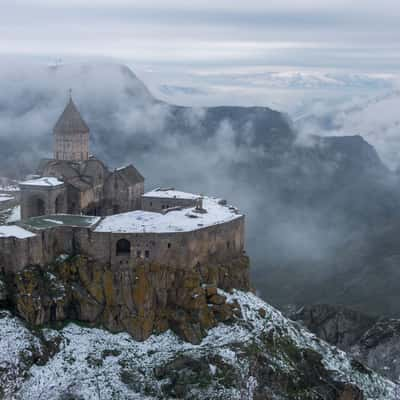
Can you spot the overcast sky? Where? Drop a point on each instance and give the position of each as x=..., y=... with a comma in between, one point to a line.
x=178, y=38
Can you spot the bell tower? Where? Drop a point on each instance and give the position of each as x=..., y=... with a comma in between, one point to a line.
x=71, y=135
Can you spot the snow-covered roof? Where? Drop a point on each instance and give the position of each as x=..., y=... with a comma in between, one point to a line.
x=171, y=194
x=14, y=231
x=47, y=181
x=67, y=220
x=181, y=220
x=5, y=197
x=9, y=188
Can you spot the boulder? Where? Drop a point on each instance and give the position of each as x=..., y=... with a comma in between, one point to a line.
x=217, y=299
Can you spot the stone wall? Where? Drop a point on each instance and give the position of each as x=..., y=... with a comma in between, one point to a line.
x=157, y=204
x=74, y=147
x=15, y=254
x=217, y=243
x=119, y=197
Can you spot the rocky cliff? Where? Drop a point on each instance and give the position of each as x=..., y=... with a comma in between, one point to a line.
x=374, y=342
x=149, y=298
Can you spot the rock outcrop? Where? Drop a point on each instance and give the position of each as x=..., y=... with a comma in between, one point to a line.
x=376, y=343
x=149, y=298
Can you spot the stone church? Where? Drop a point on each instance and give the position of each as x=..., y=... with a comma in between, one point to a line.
x=75, y=182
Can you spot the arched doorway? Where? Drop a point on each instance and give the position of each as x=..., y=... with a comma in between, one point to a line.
x=59, y=206
x=123, y=248
x=37, y=207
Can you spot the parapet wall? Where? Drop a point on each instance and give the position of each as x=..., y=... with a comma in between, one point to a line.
x=217, y=243
x=159, y=204
x=181, y=249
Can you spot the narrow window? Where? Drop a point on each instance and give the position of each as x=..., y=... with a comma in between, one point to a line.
x=138, y=254
x=169, y=245
x=147, y=253
x=228, y=244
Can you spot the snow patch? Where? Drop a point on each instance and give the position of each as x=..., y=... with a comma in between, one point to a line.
x=171, y=194
x=44, y=181
x=15, y=215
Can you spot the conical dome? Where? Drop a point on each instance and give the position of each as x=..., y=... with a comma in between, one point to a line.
x=71, y=135
x=71, y=121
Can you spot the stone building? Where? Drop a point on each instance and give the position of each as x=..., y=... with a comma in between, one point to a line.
x=76, y=205
x=75, y=182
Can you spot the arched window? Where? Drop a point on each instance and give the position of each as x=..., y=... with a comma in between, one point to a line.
x=123, y=247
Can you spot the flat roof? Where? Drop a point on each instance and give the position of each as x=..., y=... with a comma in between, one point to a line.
x=171, y=194
x=181, y=220
x=51, y=221
x=46, y=181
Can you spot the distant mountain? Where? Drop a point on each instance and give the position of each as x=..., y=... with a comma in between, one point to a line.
x=375, y=117
x=373, y=341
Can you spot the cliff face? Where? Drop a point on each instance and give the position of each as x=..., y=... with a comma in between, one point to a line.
x=150, y=298
x=375, y=342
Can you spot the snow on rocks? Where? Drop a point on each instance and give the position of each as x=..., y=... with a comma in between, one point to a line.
x=16, y=344
x=90, y=361
x=183, y=220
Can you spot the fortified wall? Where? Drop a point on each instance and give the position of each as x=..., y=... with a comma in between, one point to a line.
x=179, y=237
x=142, y=272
